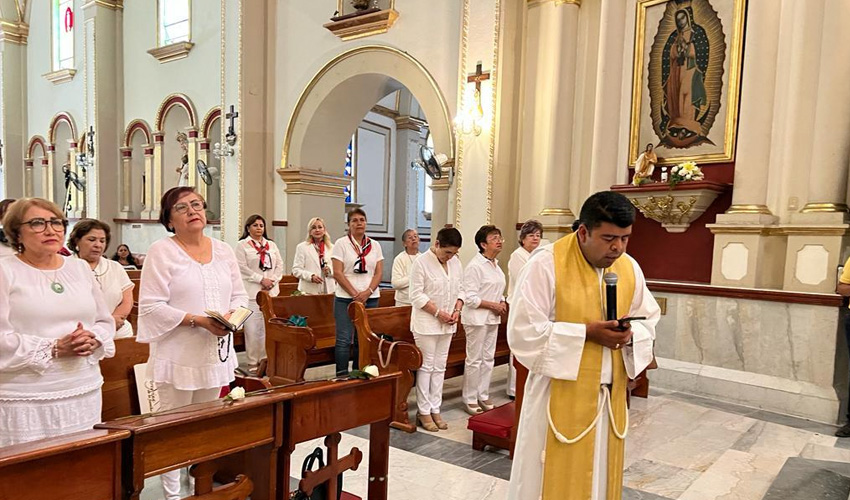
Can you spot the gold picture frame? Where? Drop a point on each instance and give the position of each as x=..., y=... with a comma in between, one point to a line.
x=708, y=35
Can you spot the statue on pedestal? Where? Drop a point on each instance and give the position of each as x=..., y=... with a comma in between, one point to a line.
x=645, y=166
x=183, y=169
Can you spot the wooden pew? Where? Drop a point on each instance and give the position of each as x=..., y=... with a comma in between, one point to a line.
x=120, y=396
x=405, y=357
x=80, y=466
x=255, y=436
x=292, y=349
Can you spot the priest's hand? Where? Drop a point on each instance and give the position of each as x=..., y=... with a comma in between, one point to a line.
x=608, y=334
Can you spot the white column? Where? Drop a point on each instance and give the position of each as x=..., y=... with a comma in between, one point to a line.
x=155, y=177
x=28, y=187
x=548, y=109
x=13, y=102
x=126, y=182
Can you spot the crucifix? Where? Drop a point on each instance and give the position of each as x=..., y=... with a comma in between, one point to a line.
x=478, y=77
x=232, y=115
x=90, y=141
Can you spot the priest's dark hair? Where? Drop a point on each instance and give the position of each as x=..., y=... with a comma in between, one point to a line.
x=248, y=223
x=449, y=237
x=607, y=206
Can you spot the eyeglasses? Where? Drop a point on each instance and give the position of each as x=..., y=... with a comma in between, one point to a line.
x=182, y=208
x=38, y=225
x=494, y=239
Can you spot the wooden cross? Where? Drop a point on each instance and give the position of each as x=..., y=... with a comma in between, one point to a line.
x=329, y=473
x=232, y=115
x=478, y=77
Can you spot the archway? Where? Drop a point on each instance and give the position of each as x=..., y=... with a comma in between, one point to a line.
x=331, y=107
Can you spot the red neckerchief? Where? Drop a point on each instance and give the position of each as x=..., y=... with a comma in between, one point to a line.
x=362, y=250
x=320, y=249
x=263, y=252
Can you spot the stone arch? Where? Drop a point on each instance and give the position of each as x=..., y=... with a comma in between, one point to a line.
x=137, y=126
x=344, y=90
x=171, y=101
x=210, y=118
x=36, y=140
x=54, y=122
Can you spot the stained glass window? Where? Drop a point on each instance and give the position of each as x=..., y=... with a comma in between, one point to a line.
x=174, y=21
x=63, y=34
x=349, y=171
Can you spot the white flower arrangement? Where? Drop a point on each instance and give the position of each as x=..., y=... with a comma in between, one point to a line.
x=366, y=373
x=685, y=171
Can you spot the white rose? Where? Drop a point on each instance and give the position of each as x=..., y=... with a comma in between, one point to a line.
x=237, y=393
x=675, y=169
x=372, y=370
x=687, y=176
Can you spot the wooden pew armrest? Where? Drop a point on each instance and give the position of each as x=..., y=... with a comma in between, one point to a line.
x=282, y=332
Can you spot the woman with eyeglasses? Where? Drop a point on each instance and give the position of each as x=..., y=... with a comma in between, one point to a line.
x=530, y=235
x=262, y=268
x=89, y=241
x=312, y=262
x=54, y=329
x=358, y=264
x=191, y=354
x=484, y=285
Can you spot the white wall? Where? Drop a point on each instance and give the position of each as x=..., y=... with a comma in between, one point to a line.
x=44, y=98
x=147, y=81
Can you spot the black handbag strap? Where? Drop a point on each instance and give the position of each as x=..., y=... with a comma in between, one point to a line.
x=309, y=460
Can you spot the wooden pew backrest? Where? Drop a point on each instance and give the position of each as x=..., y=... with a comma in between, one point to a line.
x=120, y=396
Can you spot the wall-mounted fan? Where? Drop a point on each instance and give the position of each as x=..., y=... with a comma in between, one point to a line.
x=206, y=173
x=75, y=181
x=429, y=162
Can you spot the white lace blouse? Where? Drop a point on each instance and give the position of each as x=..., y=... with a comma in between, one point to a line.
x=172, y=285
x=32, y=316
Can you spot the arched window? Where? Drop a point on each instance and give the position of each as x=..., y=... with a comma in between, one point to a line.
x=63, y=34
x=174, y=22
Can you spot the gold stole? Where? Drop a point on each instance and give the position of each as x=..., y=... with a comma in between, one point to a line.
x=568, y=468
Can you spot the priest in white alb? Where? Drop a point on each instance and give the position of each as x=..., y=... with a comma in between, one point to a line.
x=574, y=418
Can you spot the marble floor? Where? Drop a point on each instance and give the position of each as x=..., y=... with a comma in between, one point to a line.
x=679, y=447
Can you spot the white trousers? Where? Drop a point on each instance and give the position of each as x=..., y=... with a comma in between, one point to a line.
x=511, y=390
x=432, y=373
x=170, y=397
x=480, y=355
x=255, y=336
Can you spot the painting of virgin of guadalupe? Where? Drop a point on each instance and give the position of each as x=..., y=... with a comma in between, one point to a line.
x=686, y=85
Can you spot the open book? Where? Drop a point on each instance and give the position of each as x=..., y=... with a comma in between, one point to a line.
x=237, y=319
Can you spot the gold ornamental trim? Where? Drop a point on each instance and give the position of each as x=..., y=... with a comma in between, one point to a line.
x=384, y=111
x=109, y=4
x=409, y=123
x=60, y=76
x=557, y=212
x=749, y=209
x=534, y=3
x=363, y=25
x=824, y=208
x=171, y=52
x=780, y=230
x=666, y=209
x=16, y=33
x=313, y=182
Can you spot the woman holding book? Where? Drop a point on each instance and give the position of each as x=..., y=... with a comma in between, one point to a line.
x=262, y=268
x=191, y=354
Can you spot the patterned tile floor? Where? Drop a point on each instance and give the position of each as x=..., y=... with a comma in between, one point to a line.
x=679, y=447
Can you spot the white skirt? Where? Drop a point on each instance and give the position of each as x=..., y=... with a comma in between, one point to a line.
x=30, y=420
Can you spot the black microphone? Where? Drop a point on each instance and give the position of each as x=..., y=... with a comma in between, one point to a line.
x=610, y=296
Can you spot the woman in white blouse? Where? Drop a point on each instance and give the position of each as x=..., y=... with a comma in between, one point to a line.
x=54, y=329
x=89, y=241
x=358, y=264
x=436, y=295
x=401, y=267
x=191, y=355
x=529, y=239
x=262, y=267
x=484, y=285
x=312, y=262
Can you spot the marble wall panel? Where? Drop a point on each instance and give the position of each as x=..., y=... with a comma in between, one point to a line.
x=791, y=341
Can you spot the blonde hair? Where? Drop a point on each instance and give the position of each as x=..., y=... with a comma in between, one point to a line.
x=14, y=218
x=327, y=237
